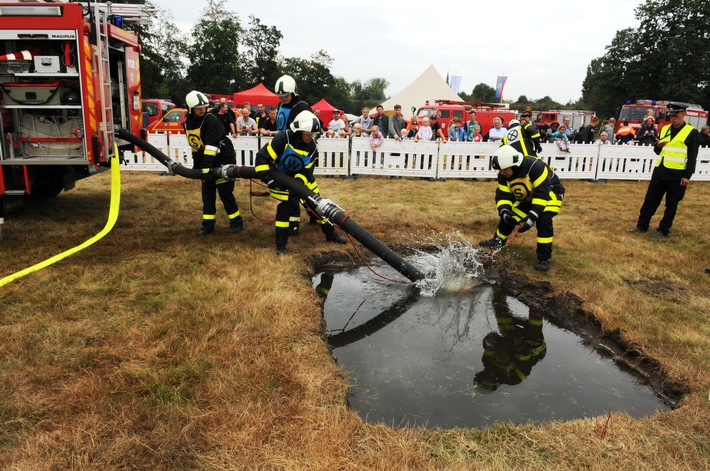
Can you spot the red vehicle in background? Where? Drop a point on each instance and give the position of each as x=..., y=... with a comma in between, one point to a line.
x=155, y=109
x=171, y=122
x=445, y=111
x=634, y=113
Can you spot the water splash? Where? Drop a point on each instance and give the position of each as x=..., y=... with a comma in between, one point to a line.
x=453, y=266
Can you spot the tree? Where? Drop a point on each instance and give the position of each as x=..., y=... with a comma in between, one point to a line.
x=214, y=55
x=262, y=46
x=483, y=93
x=161, y=66
x=368, y=94
x=667, y=57
x=313, y=76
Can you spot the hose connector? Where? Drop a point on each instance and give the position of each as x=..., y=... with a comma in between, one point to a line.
x=326, y=208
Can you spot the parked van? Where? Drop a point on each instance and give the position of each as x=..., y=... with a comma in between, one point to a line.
x=154, y=110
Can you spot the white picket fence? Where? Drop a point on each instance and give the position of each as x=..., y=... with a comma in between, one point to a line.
x=435, y=160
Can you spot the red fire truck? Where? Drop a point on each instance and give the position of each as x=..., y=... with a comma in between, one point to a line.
x=446, y=110
x=634, y=113
x=69, y=74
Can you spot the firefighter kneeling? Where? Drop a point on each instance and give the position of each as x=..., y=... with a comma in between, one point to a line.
x=292, y=152
x=529, y=194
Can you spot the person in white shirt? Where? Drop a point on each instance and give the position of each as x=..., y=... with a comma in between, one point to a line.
x=246, y=126
x=336, y=127
x=425, y=133
x=497, y=131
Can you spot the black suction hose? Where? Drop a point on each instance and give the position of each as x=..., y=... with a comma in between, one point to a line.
x=324, y=207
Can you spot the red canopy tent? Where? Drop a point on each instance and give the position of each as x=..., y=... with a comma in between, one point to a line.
x=258, y=94
x=326, y=111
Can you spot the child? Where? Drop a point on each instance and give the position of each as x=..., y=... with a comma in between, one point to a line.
x=561, y=139
x=376, y=138
x=457, y=133
x=357, y=130
x=424, y=133
x=476, y=136
x=405, y=133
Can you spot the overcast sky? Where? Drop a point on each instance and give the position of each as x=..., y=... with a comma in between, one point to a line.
x=543, y=47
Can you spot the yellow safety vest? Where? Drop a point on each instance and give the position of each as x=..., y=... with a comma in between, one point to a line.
x=675, y=154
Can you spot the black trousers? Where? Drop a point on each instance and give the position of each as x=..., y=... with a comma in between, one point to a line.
x=210, y=189
x=284, y=219
x=656, y=189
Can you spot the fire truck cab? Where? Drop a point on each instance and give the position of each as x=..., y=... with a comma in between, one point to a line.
x=635, y=113
x=445, y=111
x=69, y=75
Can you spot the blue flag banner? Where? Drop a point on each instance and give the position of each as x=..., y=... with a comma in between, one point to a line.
x=455, y=83
x=500, y=83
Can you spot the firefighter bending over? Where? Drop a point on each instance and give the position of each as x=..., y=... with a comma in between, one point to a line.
x=292, y=152
x=529, y=194
x=211, y=148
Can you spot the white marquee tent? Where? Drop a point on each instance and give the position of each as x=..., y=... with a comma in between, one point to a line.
x=428, y=86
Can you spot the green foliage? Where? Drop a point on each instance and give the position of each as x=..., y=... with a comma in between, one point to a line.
x=667, y=58
x=483, y=93
x=262, y=46
x=214, y=55
x=368, y=94
x=312, y=76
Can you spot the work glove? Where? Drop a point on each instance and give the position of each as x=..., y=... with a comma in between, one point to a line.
x=269, y=181
x=207, y=175
x=507, y=216
x=527, y=223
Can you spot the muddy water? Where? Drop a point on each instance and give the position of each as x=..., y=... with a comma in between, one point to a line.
x=464, y=355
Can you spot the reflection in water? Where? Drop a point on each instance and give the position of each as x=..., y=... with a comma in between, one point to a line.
x=510, y=353
x=464, y=357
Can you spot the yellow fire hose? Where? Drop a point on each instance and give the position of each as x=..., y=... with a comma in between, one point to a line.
x=112, y=217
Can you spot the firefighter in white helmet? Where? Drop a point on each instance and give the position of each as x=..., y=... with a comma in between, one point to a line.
x=290, y=103
x=211, y=148
x=294, y=153
x=529, y=194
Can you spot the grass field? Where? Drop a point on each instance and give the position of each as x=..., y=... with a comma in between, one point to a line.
x=155, y=349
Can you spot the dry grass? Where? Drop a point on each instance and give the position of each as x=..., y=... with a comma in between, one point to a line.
x=157, y=350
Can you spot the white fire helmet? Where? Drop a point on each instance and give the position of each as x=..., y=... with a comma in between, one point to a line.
x=506, y=156
x=305, y=122
x=285, y=85
x=196, y=99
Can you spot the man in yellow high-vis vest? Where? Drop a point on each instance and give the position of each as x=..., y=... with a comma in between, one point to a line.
x=678, y=150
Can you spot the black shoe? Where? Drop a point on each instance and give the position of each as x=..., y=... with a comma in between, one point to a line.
x=707, y=270
x=313, y=221
x=281, y=250
x=542, y=265
x=336, y=239
x=205, y=231
x=494, y=243
x=236, y=228
x=637, y=229
x=659, y=235
x=295, y=232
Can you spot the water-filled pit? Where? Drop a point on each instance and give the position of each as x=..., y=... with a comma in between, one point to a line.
x=459, y=351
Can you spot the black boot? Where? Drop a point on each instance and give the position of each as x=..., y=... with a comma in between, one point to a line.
x=494, y=243
x=543, y=265
x=205, y=231
x=336, y=238
x=236, y=225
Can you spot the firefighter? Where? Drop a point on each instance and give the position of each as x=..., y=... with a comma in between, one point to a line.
x=530, y=131
x=517, y=137
x=294, y=153
x=290, y=104
x=529, y=194
x=211, y=148
x=510, y=353
x=678, y=150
